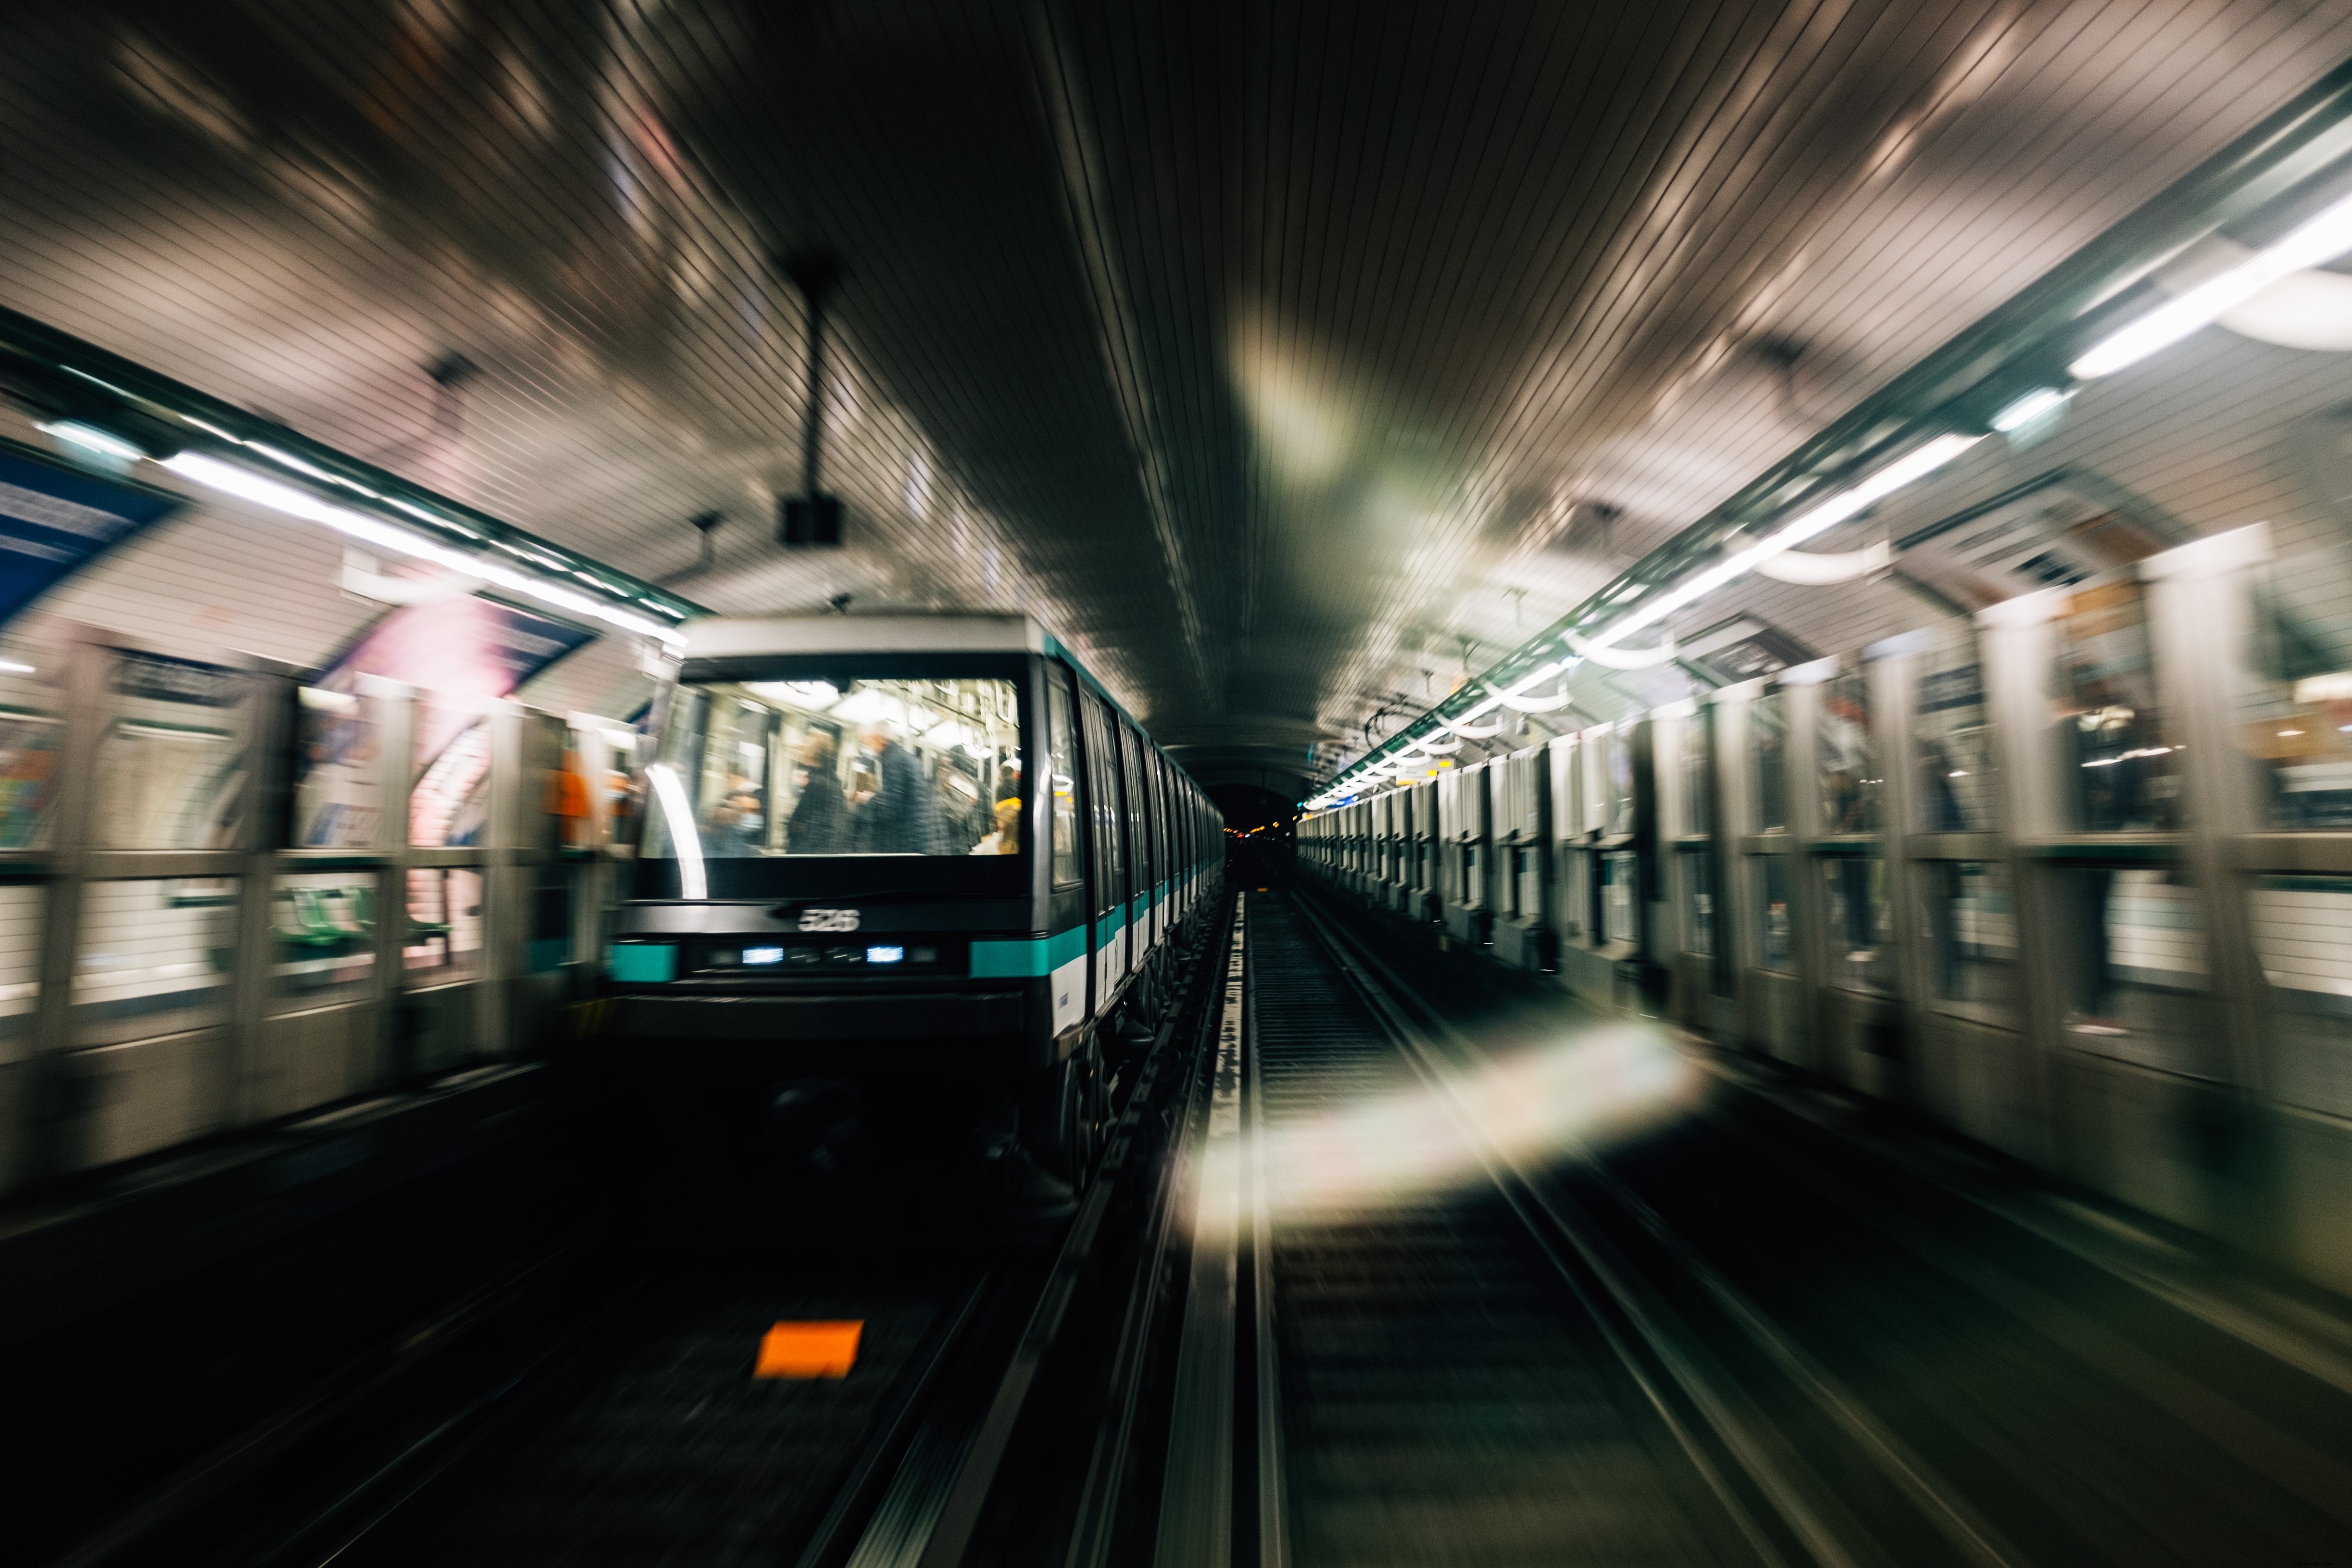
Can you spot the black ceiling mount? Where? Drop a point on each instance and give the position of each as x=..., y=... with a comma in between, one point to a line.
x=706, y=558
x=811, y=519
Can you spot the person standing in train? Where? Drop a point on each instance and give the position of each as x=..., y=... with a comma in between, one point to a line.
x=820, y=821
x=901, y=815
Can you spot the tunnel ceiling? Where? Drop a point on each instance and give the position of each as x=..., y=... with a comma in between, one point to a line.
x=1291, y=359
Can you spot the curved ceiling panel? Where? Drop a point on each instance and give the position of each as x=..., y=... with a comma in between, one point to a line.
x=1292, y=360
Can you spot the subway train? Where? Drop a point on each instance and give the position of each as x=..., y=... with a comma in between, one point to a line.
x=2066, y=875
x=885, y=859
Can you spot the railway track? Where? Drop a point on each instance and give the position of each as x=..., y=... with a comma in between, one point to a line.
x=597, y=1407
x=1323, y=1306
x=1442, y=1375
x=1859, y=1357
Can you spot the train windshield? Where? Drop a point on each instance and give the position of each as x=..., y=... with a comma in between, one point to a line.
x=804, y=768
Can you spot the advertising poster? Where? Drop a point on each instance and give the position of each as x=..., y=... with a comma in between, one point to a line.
x=461, y=654
x=54, y=520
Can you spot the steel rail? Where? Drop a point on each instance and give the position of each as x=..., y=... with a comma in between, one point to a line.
x=1964, y=1528
x=1094, y=1533
x=1737, y=1431
x=1273, y=1502
x=938, y=1495
x=1196, y=1494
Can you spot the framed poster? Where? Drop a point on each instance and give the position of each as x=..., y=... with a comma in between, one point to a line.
x=55, y=519
x=461, y=654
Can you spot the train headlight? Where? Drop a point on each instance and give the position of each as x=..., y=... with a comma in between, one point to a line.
x=884, y=954
x=757, y=955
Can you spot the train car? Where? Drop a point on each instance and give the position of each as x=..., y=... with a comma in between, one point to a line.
x=897, y=859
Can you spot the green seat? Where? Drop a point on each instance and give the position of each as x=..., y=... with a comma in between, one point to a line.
x=425, y=931
x=359, y=924
x=312, y=927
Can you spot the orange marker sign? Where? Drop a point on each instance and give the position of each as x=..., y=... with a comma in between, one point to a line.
x=808, y=1350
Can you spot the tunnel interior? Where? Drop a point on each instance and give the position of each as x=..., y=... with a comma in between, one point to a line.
x=1307, y=785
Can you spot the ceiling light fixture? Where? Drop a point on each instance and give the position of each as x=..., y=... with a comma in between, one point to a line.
x=90, y=438
x=233, y=479
x=1806, y=525
x=2314, y=242
x=2042, y=400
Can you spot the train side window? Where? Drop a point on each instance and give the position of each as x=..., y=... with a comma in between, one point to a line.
x=1861, y=934
x=1104, y=793
x=1695, y=754
x=2302, y=928
x=1163, y=852
x=1972, y=939
x=1953, y=734
x=2294, y=717
x=31, y=725
x=1768, y=736
x=2117, y=750
x=1138, y=828
x=1062, y=764
x=1776, y=925
x=2131, y=951
x=1847, y=748
x=1620, y=779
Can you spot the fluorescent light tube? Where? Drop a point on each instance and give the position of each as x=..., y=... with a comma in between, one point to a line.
x=1806, y=525
x=2029, y=408
x=89, y=438
x=233, y=478
x=2316, y=241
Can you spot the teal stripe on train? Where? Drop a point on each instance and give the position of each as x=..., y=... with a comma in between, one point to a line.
x=1027, y=956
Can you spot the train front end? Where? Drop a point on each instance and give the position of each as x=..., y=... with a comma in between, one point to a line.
x=837, y=900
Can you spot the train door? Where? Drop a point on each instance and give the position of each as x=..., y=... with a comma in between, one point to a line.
x=1466, y=909
x=1108, y=866
x=1632, y=870
x=1497, y=883
x=1523, y=932
x=1425, y=817
x=1139, y=849
x=1154, y=841
x=1384, y=849
x=1600, y=867
x=1364, y=883
x=1969, y=1054
x=1065, y=837
x=1756, y=718
x=1566, y=910
x=1163, y=847
x=1848, y=952
x=1685, y=926
x=1163, y=871
x=1447, y=877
